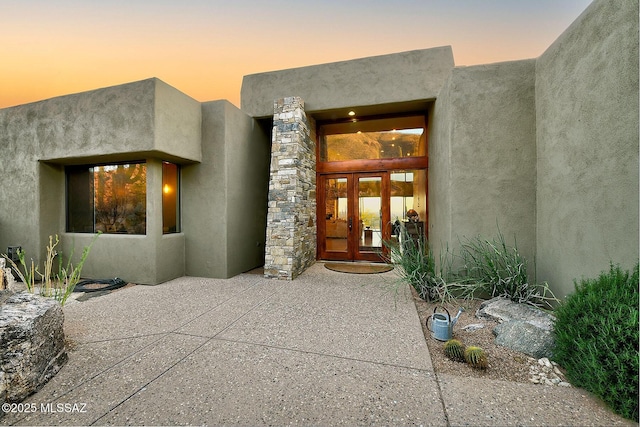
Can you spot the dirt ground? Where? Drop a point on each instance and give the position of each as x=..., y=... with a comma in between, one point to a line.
x=504, y=363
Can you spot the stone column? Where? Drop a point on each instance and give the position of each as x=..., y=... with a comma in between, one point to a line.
x=291, y=225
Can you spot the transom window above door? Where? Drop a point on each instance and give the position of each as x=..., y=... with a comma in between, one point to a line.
x=372, y=139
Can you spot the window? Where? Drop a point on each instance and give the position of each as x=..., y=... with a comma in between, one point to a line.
x=389, y=138
x=108, y=198
x=408, y=191
x=170, y=198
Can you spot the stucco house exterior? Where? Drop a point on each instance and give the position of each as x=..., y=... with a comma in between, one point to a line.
x=547, y=148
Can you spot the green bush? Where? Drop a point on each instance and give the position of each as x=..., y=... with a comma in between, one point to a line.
x=596, y=334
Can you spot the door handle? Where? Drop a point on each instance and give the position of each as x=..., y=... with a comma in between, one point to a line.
x=350, y=223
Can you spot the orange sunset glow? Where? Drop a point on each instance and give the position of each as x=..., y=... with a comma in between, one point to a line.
x=204, y=48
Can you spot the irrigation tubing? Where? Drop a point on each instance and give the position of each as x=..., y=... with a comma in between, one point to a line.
x=109, y=285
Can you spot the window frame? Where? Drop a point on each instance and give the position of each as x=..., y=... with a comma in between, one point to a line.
x=90, y=168
x=371, y=123
x=178, y=195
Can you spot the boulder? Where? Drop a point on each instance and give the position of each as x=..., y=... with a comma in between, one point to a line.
x=525, y=338
x=522, y=327
x=5, y=294
x=31, y=344
x=503, y=309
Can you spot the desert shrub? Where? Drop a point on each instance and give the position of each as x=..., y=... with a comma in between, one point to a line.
x=596, y=335
x=493, y=268
x=415, y=264
x=57, y=285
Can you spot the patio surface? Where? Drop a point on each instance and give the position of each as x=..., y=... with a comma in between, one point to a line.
x=328, y=348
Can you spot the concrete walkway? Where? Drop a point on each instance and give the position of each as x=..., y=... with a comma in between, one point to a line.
x=325, y=349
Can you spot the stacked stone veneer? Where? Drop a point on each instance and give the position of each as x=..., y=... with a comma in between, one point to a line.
x=291, y=226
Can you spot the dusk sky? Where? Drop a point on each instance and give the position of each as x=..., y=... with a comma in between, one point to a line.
x=204, y=47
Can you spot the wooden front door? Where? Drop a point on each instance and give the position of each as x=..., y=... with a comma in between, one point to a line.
x=354, y=216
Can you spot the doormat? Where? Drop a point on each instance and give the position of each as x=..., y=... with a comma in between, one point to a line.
x=357, y=268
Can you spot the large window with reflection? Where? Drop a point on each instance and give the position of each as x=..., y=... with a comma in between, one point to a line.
x=373, y=139
x=107, y=198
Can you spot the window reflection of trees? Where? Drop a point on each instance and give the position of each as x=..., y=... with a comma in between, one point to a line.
x=120, y=197
x=373, y=145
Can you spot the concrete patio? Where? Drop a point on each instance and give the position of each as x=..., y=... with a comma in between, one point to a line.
x=325, y=349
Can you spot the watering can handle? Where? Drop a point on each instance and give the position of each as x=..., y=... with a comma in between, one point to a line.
x=436, y=308
x=427, y=324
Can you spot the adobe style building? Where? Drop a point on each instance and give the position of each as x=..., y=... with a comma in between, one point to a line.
x=321, y=161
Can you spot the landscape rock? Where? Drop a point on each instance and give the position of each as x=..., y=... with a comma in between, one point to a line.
x=473, y=327
x=5, y=294
x=522, y=327
x=32, y=347
x=525, y=338
x=503, y=309
x=546, y=372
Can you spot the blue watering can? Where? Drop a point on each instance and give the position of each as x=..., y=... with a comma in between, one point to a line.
x=442, y=324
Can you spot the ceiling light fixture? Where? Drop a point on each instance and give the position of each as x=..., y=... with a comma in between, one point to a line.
x=352, y=113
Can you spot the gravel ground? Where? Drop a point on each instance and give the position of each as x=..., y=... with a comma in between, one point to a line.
x=504, y=364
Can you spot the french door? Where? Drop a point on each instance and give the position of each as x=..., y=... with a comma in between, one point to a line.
x=353, y=216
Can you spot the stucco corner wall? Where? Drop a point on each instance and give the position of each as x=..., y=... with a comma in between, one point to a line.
x=204, y=216
x=482, y=156
x=439, y=172
x=225, y=196
x=587, y=146
x=19, y=171
x=178, y=123
x=398, y=77
x=95, y=124
x=248, y=160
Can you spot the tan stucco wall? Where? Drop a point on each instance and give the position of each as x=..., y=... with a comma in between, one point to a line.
x=482, y=156
x=439, y=173
x=177, y=124
x=587, y=146
x=545, y=149
x=89, y=124
x=225, y=196
x=398, y=77
x=146, y=120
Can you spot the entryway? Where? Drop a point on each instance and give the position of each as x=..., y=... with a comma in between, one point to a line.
x=362, y=211
x=370, y=172
x=356, y=210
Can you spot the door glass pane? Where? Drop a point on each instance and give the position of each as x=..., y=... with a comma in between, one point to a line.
x=336, y=214
x=370, y=213
x=408, y=191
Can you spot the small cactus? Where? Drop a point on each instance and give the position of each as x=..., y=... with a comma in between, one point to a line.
x=476, y=357
x=454, y=350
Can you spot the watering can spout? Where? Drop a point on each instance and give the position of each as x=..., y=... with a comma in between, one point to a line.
x=455, y=319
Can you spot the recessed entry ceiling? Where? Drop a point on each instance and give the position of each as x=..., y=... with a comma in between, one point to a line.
x=348, y=113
